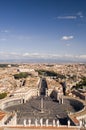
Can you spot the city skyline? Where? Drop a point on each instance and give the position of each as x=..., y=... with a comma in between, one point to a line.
x=43, y=29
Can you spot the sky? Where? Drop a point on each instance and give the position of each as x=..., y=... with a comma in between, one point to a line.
x=43, y=29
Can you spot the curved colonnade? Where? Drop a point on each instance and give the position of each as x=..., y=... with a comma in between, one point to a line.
x=19, y=99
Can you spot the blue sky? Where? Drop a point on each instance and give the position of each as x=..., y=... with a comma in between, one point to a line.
x=53, y=29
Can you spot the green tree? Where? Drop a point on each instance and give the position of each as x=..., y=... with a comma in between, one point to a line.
x=3, y=95
x=81, y=84
x=21, y=75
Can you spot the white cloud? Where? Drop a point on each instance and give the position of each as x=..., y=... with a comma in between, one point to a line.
x=68, y=44
x=67, y=38
x=66, y=17
x=80, y=14
x=5, y=31
x=3, y=39
x=54, y=56
x=82, y=57
x=26, y=54
x=30, y=54
x=15, y=55
x=24, y=37
x=71, y=17
x=9, y=55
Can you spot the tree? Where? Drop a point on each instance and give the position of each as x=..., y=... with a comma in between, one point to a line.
x=81, y=84
x=21, y=75
x=3, y=95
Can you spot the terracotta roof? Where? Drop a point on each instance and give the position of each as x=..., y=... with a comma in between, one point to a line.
x=1, y=128
x=75, y=120
x=2, y=114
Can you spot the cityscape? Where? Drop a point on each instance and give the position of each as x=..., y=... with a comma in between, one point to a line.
x=27, y=92
x=42, y=65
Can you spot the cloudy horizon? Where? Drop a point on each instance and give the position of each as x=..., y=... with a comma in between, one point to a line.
x=43, y=29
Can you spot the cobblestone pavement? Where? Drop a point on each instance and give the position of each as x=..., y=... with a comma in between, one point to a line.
x=51, y=110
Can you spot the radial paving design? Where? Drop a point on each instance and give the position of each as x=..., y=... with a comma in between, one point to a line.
x=51, y=110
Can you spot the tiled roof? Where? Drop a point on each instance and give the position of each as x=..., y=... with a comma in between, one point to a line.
x=2, y=114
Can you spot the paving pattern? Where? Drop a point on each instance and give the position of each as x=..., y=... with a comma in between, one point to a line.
x=51, y=110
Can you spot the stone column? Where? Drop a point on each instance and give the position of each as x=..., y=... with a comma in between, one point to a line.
x=15, y=119
x=85, y=101
x=68, y=123
x=57, y=122
x=85, y=123
x=62, y=100
x=38, y=93
x=22, y=100
x=54, y=124
x=29, y=121
x=36, y=122
x=24, y=122
x=80, y=123
x=46, y=92
x=41, y=122
x=47, y=121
